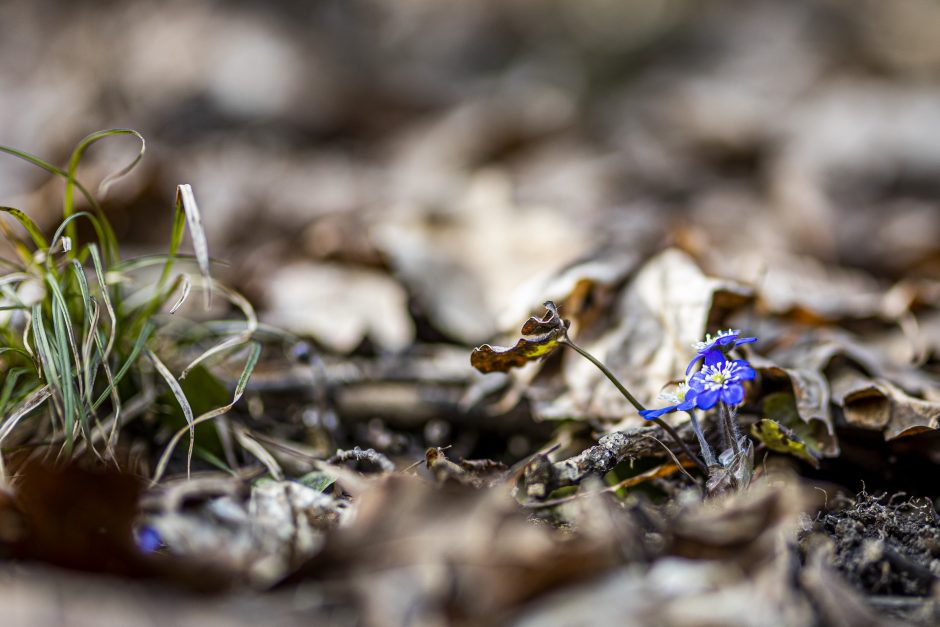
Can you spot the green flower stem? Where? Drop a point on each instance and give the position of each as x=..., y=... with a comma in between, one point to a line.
x=639, y=407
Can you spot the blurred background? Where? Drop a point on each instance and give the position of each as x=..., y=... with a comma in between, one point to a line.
x=379, y=173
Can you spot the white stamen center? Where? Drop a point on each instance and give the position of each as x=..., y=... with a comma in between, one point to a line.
x=715, y=377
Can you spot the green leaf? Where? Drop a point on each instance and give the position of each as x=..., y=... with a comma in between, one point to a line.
x=778, y=438
x=781, y=408
x=317, y=480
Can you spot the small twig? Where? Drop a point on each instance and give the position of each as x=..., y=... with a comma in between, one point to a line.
x=370, y=456
x=675, y=459
x=542, y=476
x=653, y=473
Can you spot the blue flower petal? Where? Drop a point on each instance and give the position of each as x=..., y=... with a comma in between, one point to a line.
x=649, y=414
x=732, y=393
x=707, y=399
x=745, y=340
x=692, y=364
x=745, y=371
x=696, y=383
x=148, y=539
x=713, y=358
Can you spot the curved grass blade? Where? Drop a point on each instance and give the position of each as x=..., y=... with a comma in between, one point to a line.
x=187, y=287
x=110, y=241
x=147, y=261
x=9, y=384
x=15, y=277
x=186, y=201
x=31, y=402
x=75, y=159
x=65, y=224
x=244, y=437
x=34, y=231
x=181, y=399
x=142, y=338
x=251, y=325
x=250, y=362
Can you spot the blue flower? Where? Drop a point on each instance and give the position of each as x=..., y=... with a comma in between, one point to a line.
x=720, y=381
x=148, y=539
x=683, y=400
x=712, y=350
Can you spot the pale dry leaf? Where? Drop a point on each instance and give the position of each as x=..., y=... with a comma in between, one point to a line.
x=340, y=306
x=667, y=307
x=476, y=255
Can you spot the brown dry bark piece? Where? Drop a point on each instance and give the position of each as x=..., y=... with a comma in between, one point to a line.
x=542, y=476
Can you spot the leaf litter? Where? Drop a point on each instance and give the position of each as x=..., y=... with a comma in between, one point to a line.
x=785, y=191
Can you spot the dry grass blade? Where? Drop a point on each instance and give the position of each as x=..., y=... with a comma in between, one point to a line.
x=181, y=398
x=250, y=444
x=187, y=286
x=187, y=201
x=251, y=325
x=250, y=363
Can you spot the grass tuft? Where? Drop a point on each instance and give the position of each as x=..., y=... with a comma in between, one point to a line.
x=81, y=353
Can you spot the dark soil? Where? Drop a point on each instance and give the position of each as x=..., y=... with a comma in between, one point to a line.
x=888, y=547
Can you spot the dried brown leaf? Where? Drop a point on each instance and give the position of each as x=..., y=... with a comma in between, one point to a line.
x=547, y=332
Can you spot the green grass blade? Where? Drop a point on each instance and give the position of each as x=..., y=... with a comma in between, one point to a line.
x=142, y=338
x=95, y=223
x=15, y=349
x=106, y=298
x=176, y=238
x=34, y=231
x=9, y=384
x=181, y=399
x=254, y=354
x=75, y=159
x=110, y=241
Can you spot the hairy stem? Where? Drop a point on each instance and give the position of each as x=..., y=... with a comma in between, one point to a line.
x=730, y=428
x=639, y=407
x=702, y=442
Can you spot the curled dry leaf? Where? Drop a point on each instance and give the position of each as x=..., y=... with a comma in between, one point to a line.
x=545, y=332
